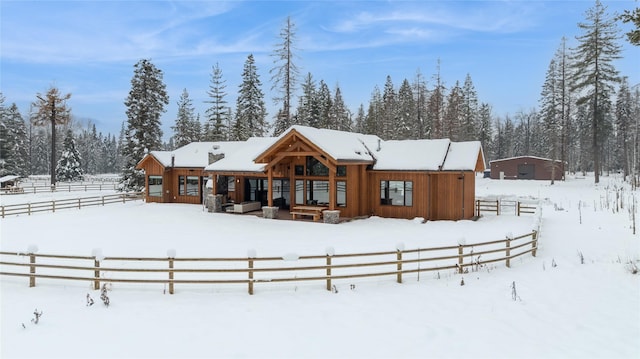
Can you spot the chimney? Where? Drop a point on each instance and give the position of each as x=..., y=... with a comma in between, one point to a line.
x=173, y=160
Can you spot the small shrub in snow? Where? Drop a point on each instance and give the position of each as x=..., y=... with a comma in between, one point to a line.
x=632, y=267
x=334, y=289
x=462, y=282
x=89, y=300
x=514, y=293
x=553, y=263
x=581, y=256
x=104, y=296
x=36, y=318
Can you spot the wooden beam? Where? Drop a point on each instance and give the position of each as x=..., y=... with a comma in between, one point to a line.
x=270, y=189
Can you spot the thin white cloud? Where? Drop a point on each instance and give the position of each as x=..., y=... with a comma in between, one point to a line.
x=104, y=31
x=501, y=17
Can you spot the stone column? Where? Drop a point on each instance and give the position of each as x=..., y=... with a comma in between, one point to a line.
x=331, y=216
x=270, y=212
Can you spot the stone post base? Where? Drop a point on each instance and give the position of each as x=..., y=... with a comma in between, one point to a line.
x=270, y=212
x=331, y=216
x=214, y=203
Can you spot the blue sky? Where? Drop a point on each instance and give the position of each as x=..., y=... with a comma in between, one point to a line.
x=88, y=48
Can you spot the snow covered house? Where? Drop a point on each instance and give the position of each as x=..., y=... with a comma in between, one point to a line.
x=359, y=175
x=527, y=167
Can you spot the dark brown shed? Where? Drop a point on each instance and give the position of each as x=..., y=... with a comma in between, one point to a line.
x=527, y=167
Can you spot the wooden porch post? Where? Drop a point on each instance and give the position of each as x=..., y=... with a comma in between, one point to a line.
x=332, y=187
x=270, y=189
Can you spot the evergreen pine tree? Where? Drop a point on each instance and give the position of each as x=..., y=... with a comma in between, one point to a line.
x=308, y=109
x=325, y=103
x=145, y=103
x=595, y=74
x=390, y=111
x=69, y=166
x=407, y=126
x=451, y=125
x=423, y=127
x=469, y=115
x=14, y=146
x=361, y=118
x=485, y=130
x=341, y=116
x=624, y=127
x=435, y=107
x=250, y=108
x=284, y=76
x=632, y=16
x=373, y=121
x=551, y=113
x=187, y=127
x=217, y=115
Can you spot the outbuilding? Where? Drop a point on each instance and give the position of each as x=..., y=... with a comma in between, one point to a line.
x=527, y=167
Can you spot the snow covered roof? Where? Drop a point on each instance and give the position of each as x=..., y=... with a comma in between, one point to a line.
x=8, y=178
x=195, y=154
x=241, y=158
x=340, y=145
x=522, y=157
x=425, y=155
x=463, y=156
x=406, y=155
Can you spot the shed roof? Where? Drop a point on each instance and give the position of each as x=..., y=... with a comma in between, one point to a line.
x=8, y=178
x=524, y=157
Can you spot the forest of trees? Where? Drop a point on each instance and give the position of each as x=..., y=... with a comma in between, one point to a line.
x=588, y=114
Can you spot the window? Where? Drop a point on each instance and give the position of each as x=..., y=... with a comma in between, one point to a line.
x=231, y=184
x=299, y=170
x=318, y=192
x=316, y=168
x=341, y=171
x=341, y=193
x=192, y=186
x=188, y=186
x=181, y=189
x=396, y=193
x=155, y=186
x=299, y=192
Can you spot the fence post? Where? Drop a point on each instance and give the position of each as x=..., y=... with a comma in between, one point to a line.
x=102, y=201
x=460, y=258
x=251, y=254
x=53, y=206
x=399, y=249
x=518, y=208
x=170, y=275
x=497, y=207
x=478, y=207
x=32, y=270
x=2, y=211
x=79, y=203
x=171, y=255
x=250, y=276
x=534, y=243
x=29, y=208
x=508, y=251
x=96, y=273
x=328, y=272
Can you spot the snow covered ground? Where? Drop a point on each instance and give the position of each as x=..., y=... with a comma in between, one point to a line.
x=572, y=309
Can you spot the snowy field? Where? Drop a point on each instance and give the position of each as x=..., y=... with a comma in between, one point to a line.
x=564, y=308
